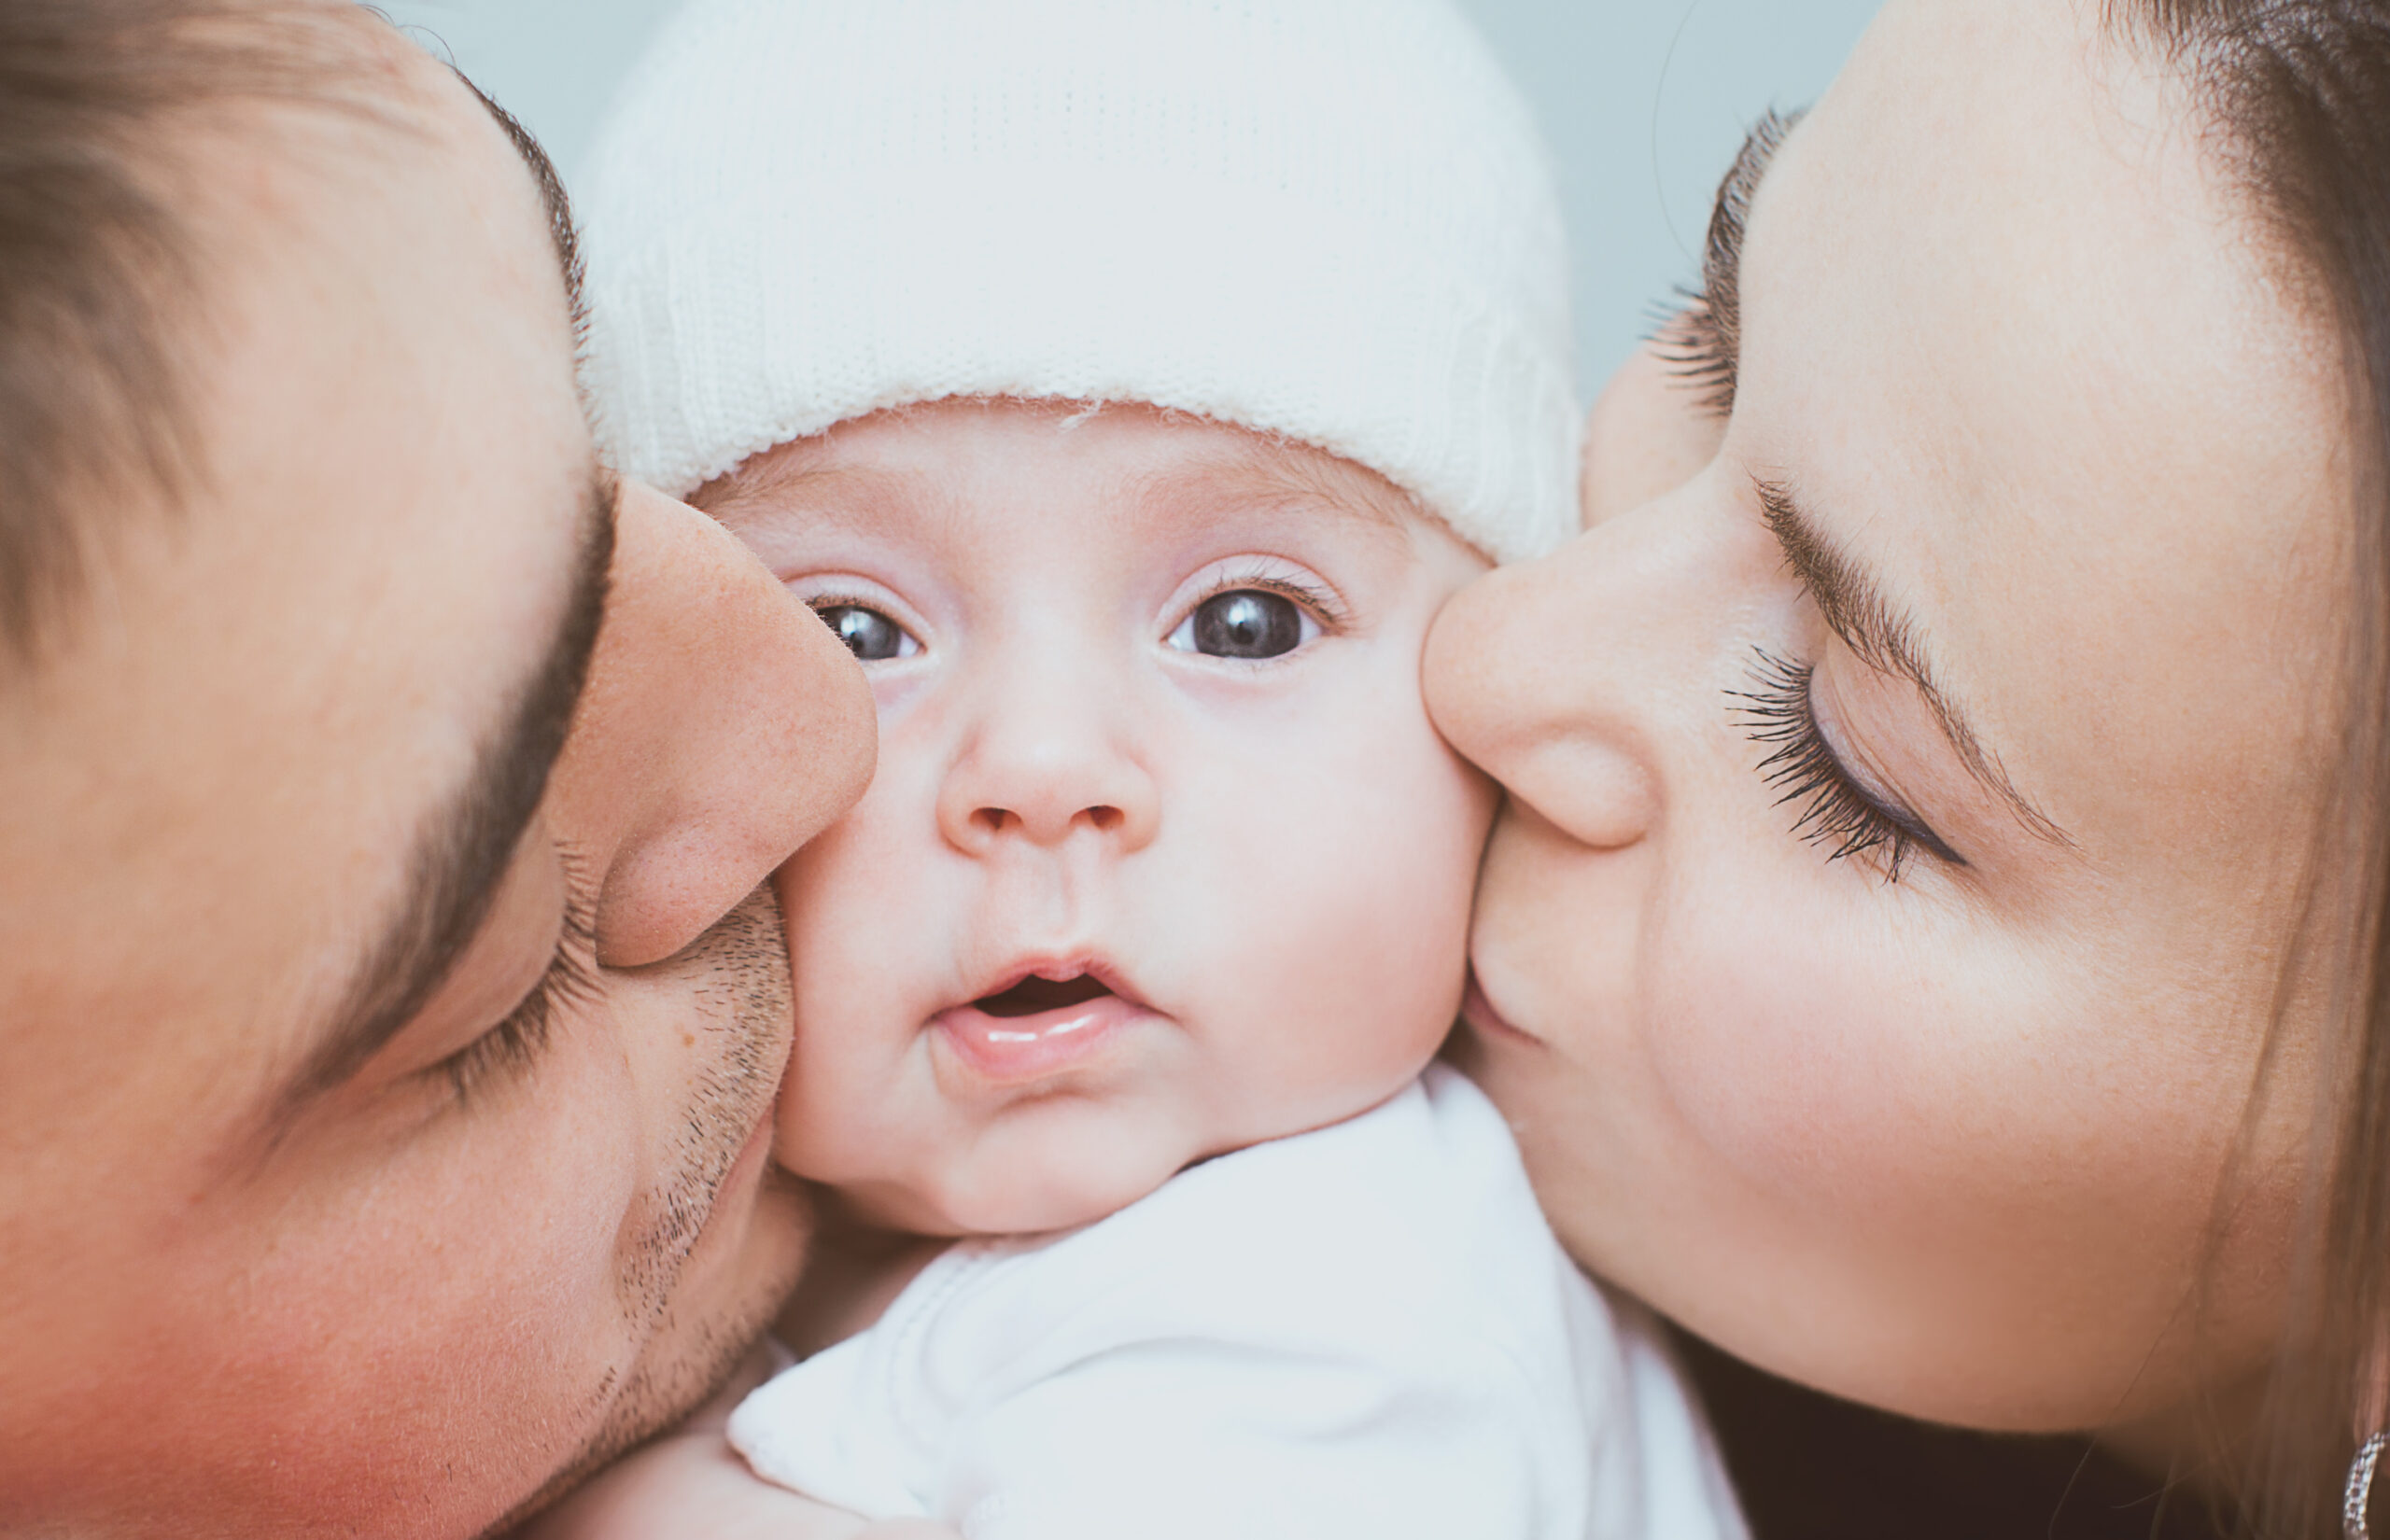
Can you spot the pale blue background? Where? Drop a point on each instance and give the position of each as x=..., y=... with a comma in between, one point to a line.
x=1645, y=102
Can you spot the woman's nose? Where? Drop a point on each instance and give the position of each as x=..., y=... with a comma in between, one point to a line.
x=721, y=727
x=1046, y=764
x=1558, y=676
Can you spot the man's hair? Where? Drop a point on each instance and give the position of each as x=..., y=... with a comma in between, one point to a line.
x=99, y=276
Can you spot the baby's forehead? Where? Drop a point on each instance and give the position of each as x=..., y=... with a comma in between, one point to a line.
x=1175, y=466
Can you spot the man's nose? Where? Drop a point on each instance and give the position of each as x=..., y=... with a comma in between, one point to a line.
x=721, y=727
x=1049, y=760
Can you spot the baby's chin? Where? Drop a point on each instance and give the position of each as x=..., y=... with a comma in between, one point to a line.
x=1067, y=1171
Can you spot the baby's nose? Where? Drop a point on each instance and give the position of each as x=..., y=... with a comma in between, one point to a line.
x=1046, y=781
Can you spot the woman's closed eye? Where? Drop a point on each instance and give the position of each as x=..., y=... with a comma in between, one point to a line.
x=1837, y=810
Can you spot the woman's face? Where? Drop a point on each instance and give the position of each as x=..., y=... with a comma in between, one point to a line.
x=1908, y=813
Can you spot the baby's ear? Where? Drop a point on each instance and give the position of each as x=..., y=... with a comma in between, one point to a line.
x=1648, y=435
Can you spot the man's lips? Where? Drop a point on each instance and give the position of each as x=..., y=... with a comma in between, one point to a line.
x=1038, y=1025
x=754, y=1155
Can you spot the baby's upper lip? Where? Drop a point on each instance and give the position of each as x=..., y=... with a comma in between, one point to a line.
x=1058, y=968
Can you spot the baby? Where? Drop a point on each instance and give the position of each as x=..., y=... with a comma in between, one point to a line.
x=1128, y=382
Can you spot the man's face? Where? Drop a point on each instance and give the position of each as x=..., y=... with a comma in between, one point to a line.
x=382, y=1128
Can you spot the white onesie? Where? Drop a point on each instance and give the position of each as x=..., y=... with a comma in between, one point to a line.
x=1364, y=1332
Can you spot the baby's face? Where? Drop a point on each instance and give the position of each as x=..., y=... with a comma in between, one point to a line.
x=1162, y=857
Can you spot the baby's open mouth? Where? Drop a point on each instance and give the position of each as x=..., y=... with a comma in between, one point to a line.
x=1038, y=1029
x=1034, y=995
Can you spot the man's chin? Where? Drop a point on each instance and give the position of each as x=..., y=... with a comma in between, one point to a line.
x=683, y=1366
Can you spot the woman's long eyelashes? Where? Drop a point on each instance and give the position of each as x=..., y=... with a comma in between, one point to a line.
x=1837, y=812
x=1699, y=353
x=516, y=1043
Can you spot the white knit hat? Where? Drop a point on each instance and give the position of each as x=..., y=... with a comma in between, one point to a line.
x=1328, y=219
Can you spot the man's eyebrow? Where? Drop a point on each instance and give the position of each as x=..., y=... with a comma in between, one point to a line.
x=551, y=198
x=463, y=848
x=1886, y=639
x=1705, y=340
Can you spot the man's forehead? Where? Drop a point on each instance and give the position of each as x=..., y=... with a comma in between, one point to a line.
x=331, y=83
x=288, y=680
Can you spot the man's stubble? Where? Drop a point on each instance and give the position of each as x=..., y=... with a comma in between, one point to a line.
x=741, y=1000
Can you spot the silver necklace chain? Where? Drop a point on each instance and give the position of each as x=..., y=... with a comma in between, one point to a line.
x=2361, y=1488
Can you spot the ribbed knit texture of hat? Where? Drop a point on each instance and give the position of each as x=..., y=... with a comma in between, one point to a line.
x=1327, y=219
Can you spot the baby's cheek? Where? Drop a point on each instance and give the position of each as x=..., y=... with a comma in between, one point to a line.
x=1374, y=944
x=856, y=905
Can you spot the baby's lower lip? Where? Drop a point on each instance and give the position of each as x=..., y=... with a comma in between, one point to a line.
x=1020, y=1050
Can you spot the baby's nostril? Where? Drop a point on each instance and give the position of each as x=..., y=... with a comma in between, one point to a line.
x=990, y=819
x=1104, y=819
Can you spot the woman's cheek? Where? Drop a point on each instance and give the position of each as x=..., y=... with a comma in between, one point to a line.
x=1825, y=1059
x=1916, y=1080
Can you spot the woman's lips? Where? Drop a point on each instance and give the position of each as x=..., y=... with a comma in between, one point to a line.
x=1480, y=1014
x=1018, y=1050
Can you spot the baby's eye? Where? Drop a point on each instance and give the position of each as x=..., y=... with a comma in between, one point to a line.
x=868, y=633
x=1244, y=623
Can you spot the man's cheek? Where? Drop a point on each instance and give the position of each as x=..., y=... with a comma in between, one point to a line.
x=416, y=1346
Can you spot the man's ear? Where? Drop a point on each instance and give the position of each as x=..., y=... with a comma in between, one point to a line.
x=1646, y=435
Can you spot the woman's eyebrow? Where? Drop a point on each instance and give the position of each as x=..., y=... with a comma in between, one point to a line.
x=1885, y=639
x=1704, y=340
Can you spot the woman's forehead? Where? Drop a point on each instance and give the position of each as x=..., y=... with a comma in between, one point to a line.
x=2022, y=345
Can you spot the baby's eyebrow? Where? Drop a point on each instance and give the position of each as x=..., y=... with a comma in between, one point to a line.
x=1269, y=475
x=825, y=492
